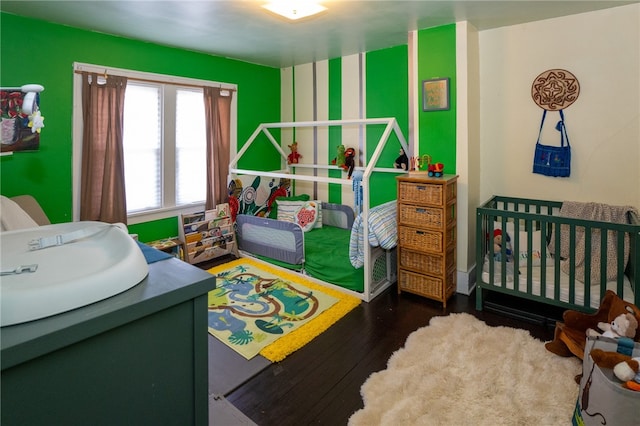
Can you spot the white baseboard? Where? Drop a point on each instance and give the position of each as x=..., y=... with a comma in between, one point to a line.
x=466, y=281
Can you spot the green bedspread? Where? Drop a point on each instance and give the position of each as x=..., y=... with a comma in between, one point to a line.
x=327, y=258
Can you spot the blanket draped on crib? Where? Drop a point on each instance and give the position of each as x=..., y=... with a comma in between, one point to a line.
x=599, y=212
x=382, y=232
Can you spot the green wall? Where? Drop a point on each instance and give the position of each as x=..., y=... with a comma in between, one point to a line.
x=387, y=77
x=437, y=129
x=386, y=95
x=335, y=133
x=34, y=51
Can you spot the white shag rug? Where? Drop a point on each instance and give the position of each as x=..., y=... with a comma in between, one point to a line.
x=458, y=370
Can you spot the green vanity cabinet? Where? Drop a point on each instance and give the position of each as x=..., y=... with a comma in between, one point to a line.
x=137, y=358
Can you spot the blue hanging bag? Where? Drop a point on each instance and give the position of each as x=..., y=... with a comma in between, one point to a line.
x=553, y=160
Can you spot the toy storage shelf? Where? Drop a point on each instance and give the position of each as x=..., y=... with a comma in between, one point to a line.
x=207, y=234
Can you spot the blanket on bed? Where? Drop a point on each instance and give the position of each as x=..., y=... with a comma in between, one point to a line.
x=599, y=212
x=382, y=232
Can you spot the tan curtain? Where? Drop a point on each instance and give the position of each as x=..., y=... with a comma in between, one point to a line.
x=102, y=191
x=217, y=109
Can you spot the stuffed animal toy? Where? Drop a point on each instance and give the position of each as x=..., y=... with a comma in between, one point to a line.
x=625, y=368
x=498, y=240
x=349, y=161
x=294, y=156
x=402, y=162
x=339, y=160
x=624, y=325
x=629, y=371
x=570, y=334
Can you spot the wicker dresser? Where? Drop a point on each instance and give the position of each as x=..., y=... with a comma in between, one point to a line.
x=427, y=235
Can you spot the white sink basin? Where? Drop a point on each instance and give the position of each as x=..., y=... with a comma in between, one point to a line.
x=68, y=276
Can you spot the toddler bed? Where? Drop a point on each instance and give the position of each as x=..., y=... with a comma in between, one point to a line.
x=324, y=253
x=558, y=253
x=333, y=251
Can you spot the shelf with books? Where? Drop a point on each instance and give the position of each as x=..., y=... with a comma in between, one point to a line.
x=207, y=234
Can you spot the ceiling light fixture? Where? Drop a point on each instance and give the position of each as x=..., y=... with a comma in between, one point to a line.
x=294, y=9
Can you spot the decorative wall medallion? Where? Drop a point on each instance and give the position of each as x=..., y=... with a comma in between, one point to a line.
x=555, y=89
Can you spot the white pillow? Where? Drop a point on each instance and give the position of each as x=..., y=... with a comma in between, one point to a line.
x=536, y=244
x=536, y=248
x=306, y=215
x=498, y=225
x=287, y=209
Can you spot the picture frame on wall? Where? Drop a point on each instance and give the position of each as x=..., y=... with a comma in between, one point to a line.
x=435, y=94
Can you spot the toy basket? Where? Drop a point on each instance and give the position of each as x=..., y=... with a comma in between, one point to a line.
x=602, y=399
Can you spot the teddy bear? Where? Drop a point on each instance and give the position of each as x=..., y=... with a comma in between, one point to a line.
x=570, y=334
x=625, y=368
x=402, y=162
x=624, y=325
x=497, y=246
x=294, y=156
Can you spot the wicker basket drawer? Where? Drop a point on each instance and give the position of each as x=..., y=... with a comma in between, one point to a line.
x=431, y=217
x=421, y=193
x=421, y=284
x=424, y=216
x=434, y=264
x=421, y=262
x=420, y=239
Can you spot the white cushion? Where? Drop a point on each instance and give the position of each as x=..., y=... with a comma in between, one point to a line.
x=304, y=213
x=536, y=248
x=536, y=244
x=286, y=209
x=307, y=215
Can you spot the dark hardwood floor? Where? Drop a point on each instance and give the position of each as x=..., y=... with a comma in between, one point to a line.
x=320, y=383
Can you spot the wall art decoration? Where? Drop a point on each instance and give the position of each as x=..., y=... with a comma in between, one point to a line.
x=435, y=94
x=20, y=118
x=555, y=89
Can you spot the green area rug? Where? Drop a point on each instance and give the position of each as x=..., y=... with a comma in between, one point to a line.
x=260, y=309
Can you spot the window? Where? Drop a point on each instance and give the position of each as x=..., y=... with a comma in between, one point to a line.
x=164, y=143
x=165, y=159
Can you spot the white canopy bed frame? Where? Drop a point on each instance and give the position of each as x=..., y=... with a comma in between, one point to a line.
x=368, y=168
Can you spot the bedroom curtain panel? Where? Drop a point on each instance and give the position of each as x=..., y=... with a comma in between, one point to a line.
x=217, y=108
x=102, y=191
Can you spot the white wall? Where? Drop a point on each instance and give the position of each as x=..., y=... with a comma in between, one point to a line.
x=305, y=97
x=602, y=49
x=467, y=151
